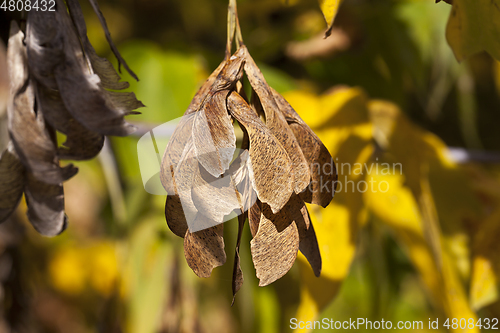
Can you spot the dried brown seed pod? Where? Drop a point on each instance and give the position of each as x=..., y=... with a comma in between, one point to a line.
x=280, y=164
x=58, y=83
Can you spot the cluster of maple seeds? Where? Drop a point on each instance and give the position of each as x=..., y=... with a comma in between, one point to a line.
x=278, y=167
x=57, y=84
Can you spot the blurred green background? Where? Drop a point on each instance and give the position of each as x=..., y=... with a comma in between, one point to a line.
x=385, y=87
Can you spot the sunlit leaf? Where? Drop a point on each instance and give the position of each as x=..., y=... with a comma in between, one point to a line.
x=329, y=9
x=474, y=26
x=336, y=226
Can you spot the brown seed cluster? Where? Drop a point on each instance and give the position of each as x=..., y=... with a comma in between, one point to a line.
x=57, y=84
x=279, y=166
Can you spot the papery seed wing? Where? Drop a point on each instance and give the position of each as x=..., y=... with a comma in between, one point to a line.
x=45, y=44
x=308, y=244
x=104, y=25
x=213, y=135
x=237, y=280
x=242, y=180
x=276, y=122
x=11, y=182
x=183, y=132
x=323, y=170
x=101, y=66
x=254, y=217
x=180, y=210
x=81, y=143
x=176, y=145
x=93, y=106
x=4, y=80
x=202, y=93
x=204, y=249
x=33, y=143
x=174, y=215
x=270, y=167
x=45, y=206
x=274, y=251
x=214, y=197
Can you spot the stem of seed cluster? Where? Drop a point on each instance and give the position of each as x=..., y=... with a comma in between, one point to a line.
x=233, y=25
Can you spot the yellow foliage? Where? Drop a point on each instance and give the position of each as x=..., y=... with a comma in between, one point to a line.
x=409, y=187
x=329, y=9
x=73, y=268
x=474, y=26
x=67, y=272
x=345, y=130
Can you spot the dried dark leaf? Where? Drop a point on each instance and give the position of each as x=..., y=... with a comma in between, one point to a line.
x=33, y=143
x=45, y=206
x=204, y=249
x=81, y=143
x=11, y=182
x=276, y=122
x=117, y=54
x=323, y=171
x=273, y=252
x=270, y=166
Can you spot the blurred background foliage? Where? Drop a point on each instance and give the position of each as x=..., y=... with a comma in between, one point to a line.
x=384, y=88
